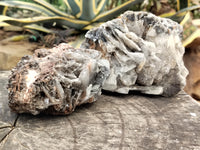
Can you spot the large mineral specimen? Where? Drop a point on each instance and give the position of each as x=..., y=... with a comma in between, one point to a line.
x=55, y=81
x=145, y=53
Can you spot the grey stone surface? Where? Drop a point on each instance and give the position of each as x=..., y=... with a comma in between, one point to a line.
x=145, y=53
x=113, y=122
x=7, y=117
x=4, y=132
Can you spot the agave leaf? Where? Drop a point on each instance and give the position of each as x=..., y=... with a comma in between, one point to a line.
x=86, y=10
x=8, y=27
x=3, y=10
x=3, y=24
x=73, y=5
x=16, y=38
x=116, y=11
x=29, y=6
x=180, y=14
x=93, y=25
x=191, y=32
x=77, y=24
x=192, y=37
x=188, y=9
x=53, y=9
x=38, y=28
x=182, y=4
x=2, y=18
x=187, y=18
x=100, y=5
x=90, y=9
x=79, y=40
x=166, y=15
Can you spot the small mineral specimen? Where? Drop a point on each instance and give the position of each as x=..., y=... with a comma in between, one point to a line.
x=145, y=53
x=55, y=81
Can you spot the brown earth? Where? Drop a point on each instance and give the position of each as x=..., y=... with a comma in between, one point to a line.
x=192, y=62
x=11, y=52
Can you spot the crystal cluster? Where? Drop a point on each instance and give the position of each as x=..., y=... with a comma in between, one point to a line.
x=145, y=53
x=57, y=80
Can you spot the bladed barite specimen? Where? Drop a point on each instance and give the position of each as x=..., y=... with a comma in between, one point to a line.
x=55, y=81
x=137, y=51
x=145, y=53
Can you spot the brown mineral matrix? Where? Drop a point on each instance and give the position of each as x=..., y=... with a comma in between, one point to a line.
x=56, y=80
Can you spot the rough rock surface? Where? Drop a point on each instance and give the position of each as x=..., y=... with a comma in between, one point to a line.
x=57, y=80
x=145, y=53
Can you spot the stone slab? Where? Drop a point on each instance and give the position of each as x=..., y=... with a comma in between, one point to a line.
x=4, y=132
x=113, y=122
x=7, y=117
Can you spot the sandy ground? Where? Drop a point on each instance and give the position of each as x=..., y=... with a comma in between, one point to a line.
x=11, y=53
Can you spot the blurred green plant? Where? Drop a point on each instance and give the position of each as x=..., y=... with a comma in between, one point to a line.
x=82, y=14
x=85, y=14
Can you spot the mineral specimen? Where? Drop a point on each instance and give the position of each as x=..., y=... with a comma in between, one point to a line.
x=145, y=53
x=137, y=51
x=55, y=81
